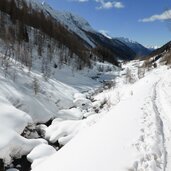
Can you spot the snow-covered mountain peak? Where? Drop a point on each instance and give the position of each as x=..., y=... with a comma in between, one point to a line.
x=105, y=33
x=43, y=2
x=67, y=18
x=152, y=47
x=127, y=40
x=76, y=20
x=135, y=46
x=72, y=22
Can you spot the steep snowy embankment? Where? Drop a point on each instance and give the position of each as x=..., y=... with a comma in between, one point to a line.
x=20, y=106
x=133, y=135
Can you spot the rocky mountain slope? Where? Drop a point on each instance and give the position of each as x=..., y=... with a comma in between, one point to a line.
x=139, y=49
x=161, y=55
x=81, y=28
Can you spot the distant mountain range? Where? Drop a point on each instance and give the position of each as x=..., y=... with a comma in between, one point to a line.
x=161, y=55
x=162, y=50
x=152, y=48
x=139, y=49
x=74, y=32
x=122, y=48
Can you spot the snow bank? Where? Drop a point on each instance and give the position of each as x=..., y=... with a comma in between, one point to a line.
x=128, y=137
x=14, y=145
x=21, y=107
x=63, y=130
x=82, y=102
x=40, y=153
x=70, y=114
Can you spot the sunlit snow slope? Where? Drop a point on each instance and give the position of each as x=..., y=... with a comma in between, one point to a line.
x=133, y=135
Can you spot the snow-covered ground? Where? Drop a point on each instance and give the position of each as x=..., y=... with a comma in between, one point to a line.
x=123, y=125
x=132, y=132
x=60, y=97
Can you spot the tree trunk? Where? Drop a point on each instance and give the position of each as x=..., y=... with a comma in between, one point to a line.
x=1, y=165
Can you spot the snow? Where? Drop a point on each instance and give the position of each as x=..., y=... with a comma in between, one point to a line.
x=125, y=127
x=127, y=40
x=96, y=125
x=164, y=106
x=61, y=97
x=105, y=33
x=14, y=145
x=70, y=114
x=20, y=107
x=152, y=47
x=62, y=131
x=82, y=101
x=76, y=24
x=40, y=153
x=133, y=134
x=13, y=122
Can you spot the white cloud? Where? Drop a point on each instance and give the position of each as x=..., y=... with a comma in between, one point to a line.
x=80, y=0
x=166, y=15
x=109, y=4
x=103, y=4
x=119, y=5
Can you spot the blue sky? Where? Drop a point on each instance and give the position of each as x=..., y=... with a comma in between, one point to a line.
x=145, y=21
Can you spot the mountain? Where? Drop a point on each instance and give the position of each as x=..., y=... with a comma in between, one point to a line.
x=81, y=28
x=71, y=30
x=139, y=49
x=160, y=55
x=162, y=50
x=152, y=48
x=59, y=97
x=72, y=22
x=121, y=50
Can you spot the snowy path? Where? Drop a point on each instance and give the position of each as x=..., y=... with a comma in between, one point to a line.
x=160, y=125
x=153, y=139
x=135, y=134
x=156, y=137
x=164, y=106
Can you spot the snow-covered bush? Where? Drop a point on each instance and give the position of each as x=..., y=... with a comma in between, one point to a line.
x=130, y=78
x=36, y=85
x=141, y=72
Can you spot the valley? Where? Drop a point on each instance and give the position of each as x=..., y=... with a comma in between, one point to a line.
x=74, y=98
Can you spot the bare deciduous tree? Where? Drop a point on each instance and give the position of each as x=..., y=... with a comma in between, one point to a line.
x=141, y=72
x=129, y=76
x=36, y=85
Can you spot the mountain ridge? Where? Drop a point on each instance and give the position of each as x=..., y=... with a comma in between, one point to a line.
x=81, y=27
x=137, y=47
